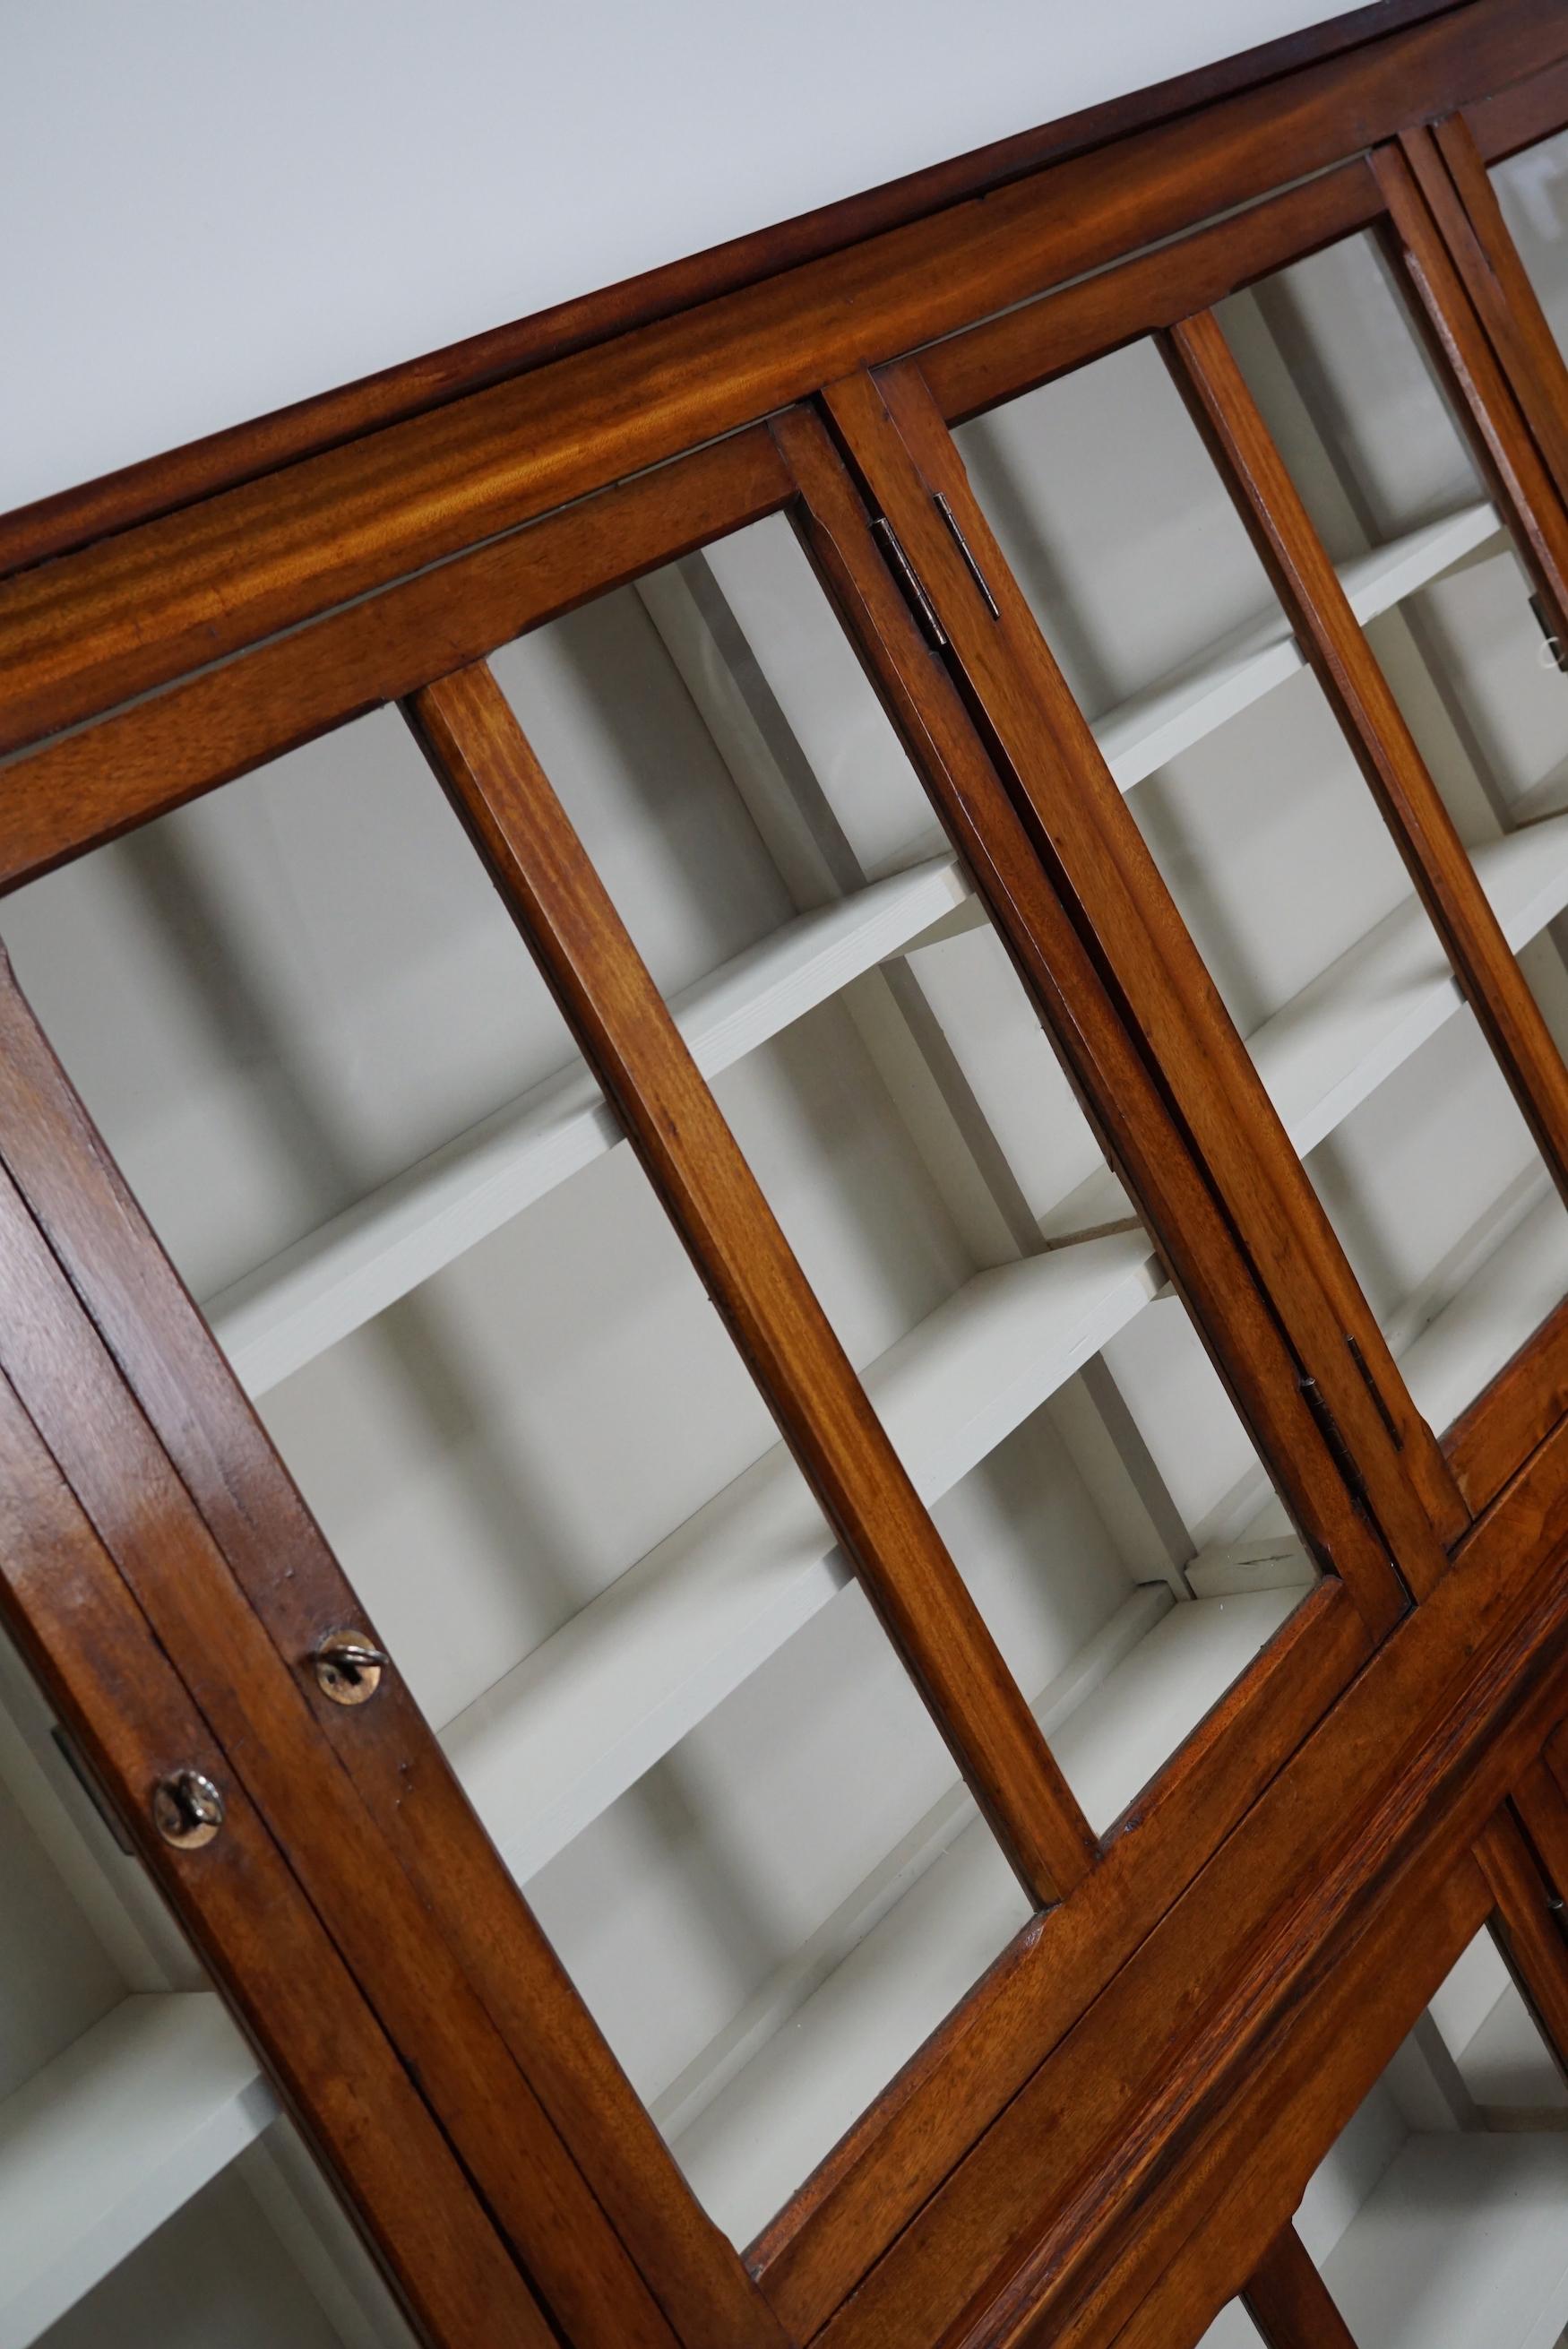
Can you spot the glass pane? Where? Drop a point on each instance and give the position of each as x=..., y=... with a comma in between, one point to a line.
x=1379, y=455
x=1441, y=2222
x=1242, y=783
x=150, y=2192
x=329, y=1068
x=1532, y=188
x=1232, y=2329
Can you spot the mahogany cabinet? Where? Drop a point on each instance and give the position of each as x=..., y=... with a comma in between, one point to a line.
x=783, y=1155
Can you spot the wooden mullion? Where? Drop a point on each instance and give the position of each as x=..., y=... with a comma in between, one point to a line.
x=1516, y=1849
x=210, y=1432
x=1500, y=441
x=1345, y=667
x=1081, y=825
x=1121, y=1099
x=1450, y=173
x=627, y=1035
x=107, y=1678
x=1289, y=2302
x=255, y=1700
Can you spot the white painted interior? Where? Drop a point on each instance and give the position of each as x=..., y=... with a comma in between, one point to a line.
x=1440, y=2219
x=327, y=1065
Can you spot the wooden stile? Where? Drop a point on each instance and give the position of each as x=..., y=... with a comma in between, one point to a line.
x=1107, y=2139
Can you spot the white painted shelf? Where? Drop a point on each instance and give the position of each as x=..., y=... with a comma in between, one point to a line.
x=578, y=1721
x=688, y=1623
x=1166, y=718
x=1508, y=2069
x=1332, y=1045
x=288, y=1310
x=1513, y=1290
x=103, y=2145
x=766, y=2124
x=341, y=1274
x=1462, y=2244
x=1327, y=1050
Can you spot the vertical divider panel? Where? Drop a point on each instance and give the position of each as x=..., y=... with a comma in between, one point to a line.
x=1289, y=2302
x=1073, y=815
x=1331, y=637
x=482, y=758
x=1504, y=449
x=1451, y=175
x=417, y=1840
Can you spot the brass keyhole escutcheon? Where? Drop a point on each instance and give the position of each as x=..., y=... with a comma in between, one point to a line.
x=186, y=1810
x=348, y=1669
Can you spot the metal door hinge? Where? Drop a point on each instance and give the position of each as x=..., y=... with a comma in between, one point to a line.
x=1333, y=1435
x=915, y=596
x=1376, y=1393
x=967, y=551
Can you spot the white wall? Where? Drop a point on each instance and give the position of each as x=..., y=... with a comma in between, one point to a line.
x=207, y=210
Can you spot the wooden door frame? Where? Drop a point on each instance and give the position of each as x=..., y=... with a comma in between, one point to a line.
x=1057, y=2141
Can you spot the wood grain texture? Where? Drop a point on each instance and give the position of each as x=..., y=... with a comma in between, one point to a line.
x=1068, y=2168
x=108, y=1679
x=105, y=779
x=1289, y=2302
x=1080, y=825
x=1523, y=1855
x=1533, y=108
x=256, y=1703
x=1451, y=174
x=1499, y=439
x=625, y=1033
x=140, y=609
x=1006, y=357
x=1107, y=2139
x=1118, y=1095
x=1516, y=1411
x=1346, y=669
x=1256, y=2165
x=432, y=1850
x=140, y=492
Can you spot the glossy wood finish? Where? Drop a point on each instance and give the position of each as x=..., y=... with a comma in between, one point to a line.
x=1289, y=2302
x=504, y=2000
x=902, y=448
x=1260, y=2164
x=629, y=1040
x=1109, y=2138
x=136, y=610
x=1004, y=357
x=118, y=1693
x=1374, y=725
x=1530, y=109
x=1452, y=176
x=1116, y=2122
x=1521, y=1852
x=1117, y=1092
x=1519, y=1408
x=1499, y=438
x=141, y=493
x=223, y=722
